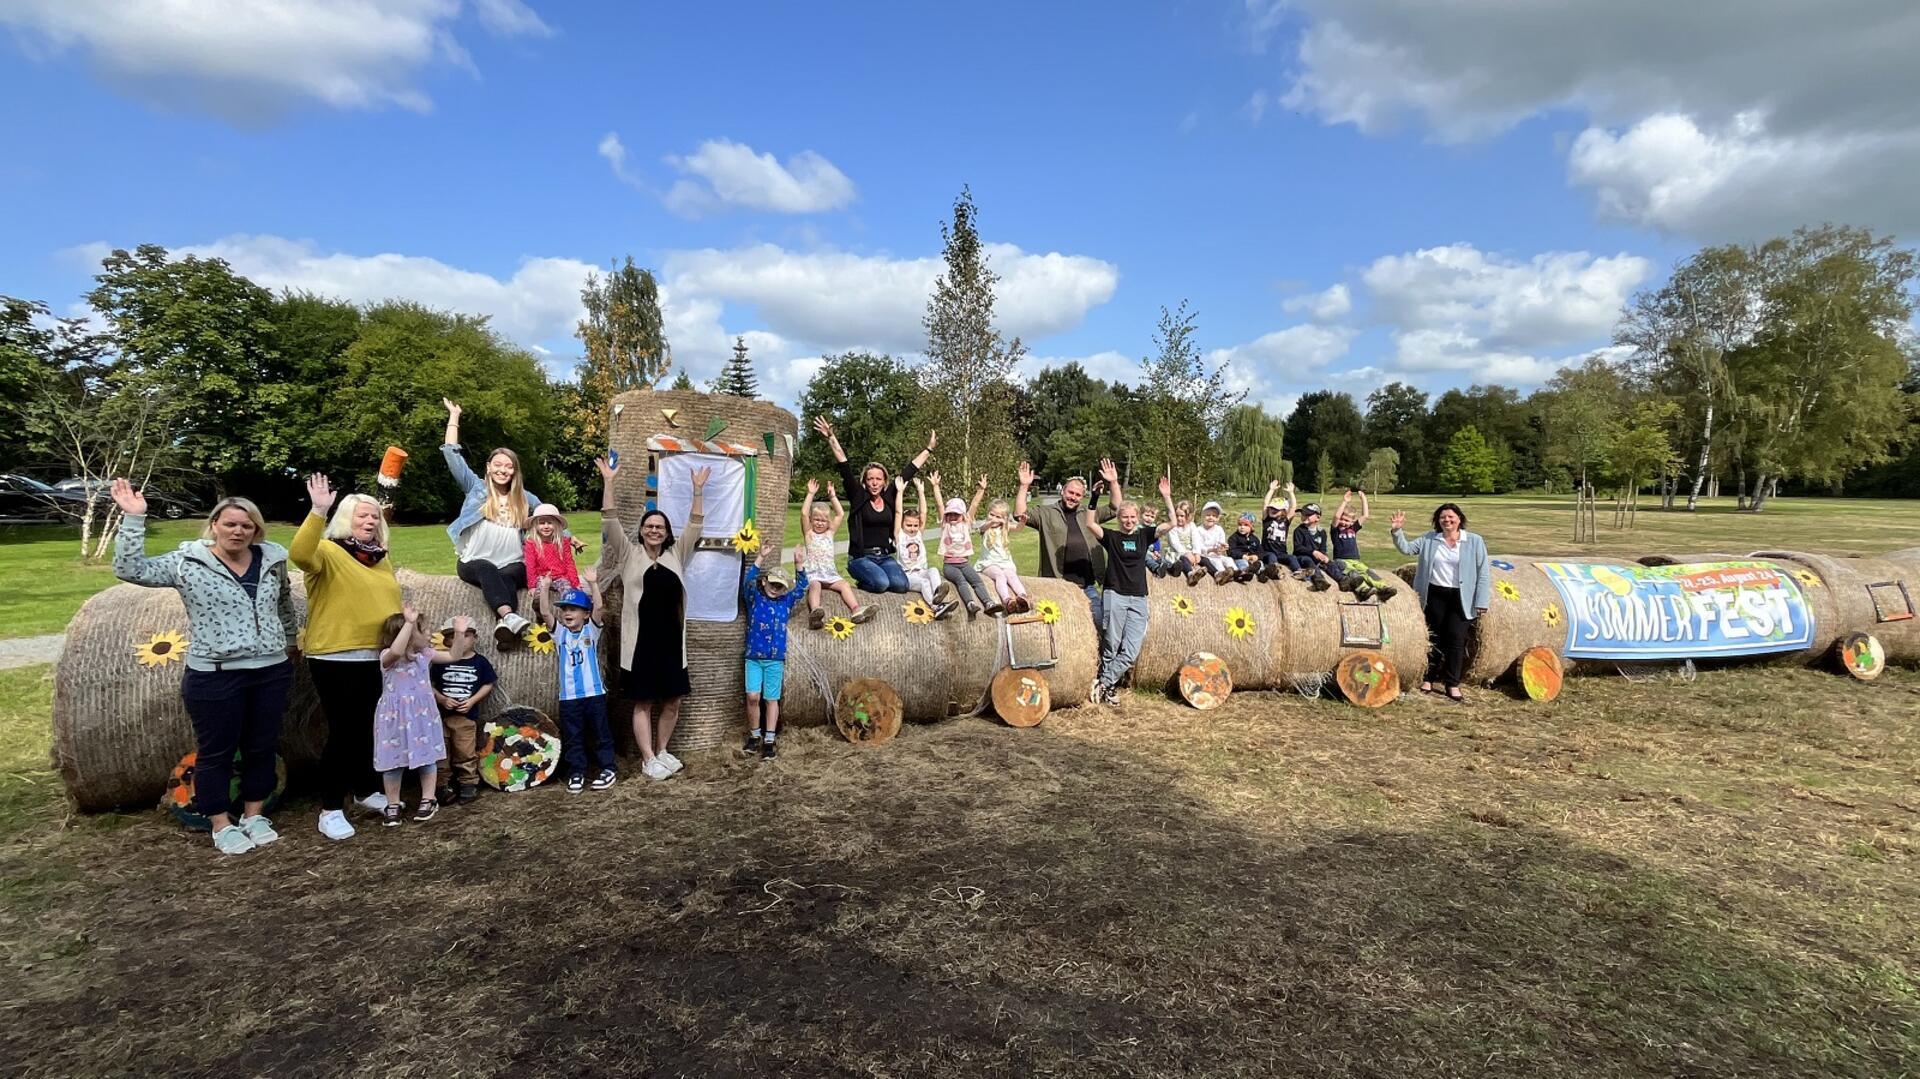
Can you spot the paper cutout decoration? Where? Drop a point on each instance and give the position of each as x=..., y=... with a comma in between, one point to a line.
x=715, y=426
x=391, y=463
x=789, y=439
x=1021, y=698
x=1205, y=681
x=518, y=750
x=767, y=437
x=670, y=413
x=165, y=647
x=178, y=799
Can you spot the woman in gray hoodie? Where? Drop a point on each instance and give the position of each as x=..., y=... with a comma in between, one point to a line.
x=243, y=631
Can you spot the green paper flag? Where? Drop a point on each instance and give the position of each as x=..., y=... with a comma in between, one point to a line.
x=767, y=437
x=714, y=427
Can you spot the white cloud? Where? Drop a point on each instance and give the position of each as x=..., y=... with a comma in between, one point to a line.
x=1256, y=106
x=1328, y=305
x=1274, y=367
x=249, y=62
x=723, y=175
x=1554, y=299
x=615, y=152
x=1108, y=366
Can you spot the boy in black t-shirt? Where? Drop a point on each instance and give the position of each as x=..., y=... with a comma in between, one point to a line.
x=1353, y=574
x=1124, y=603
x=1276, y=553
x=459, y=687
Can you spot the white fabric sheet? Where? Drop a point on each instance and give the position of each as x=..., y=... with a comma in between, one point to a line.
x=713, y=577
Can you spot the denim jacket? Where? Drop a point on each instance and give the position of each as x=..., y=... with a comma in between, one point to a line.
x=475, y=491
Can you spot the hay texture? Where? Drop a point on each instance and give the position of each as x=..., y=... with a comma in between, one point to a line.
x=1313, y=643
x=1183, y=619
x=1839, y=592
x=1524, y=611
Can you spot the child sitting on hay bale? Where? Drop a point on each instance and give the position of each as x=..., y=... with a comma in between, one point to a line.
x=583, y=692
x=1244, y=548
x=996, y=561
x=769, y=599
x=910, y=544
x=1354, y=575
x=1276, y=548
x=548, y=553
x=821, y=528
x=956, y=549
x=1157, y=562
x=1210, y=543
x=1310, y=555
x=1182, y=543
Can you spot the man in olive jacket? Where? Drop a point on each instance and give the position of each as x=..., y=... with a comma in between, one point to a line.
x=1067, y=550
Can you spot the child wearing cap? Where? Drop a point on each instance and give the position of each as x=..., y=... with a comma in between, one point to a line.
x=769, y=599
x=459, y=687
x=1354, y=575
x=1310, y=549
x=1210, y=542
x=1275, y=542
x=956, y=549
x=548, y=553
x=1243, y=546
x=583, y=692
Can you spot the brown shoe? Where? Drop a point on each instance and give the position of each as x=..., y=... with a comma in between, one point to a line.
x=1225, y=576
x=862, y=613
x=817, y=618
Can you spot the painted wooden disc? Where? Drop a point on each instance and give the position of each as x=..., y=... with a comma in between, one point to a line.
x=1541, y=674
x=1862, y=655
x=178, y=799
x=1367, y=678
x=1021, y=697
x=867, y=711
x=519, y=749
x=1205, y=681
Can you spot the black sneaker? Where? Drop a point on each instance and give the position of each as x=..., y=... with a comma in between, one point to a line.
x=753, y=742
x=444, y=795
x=469, y=792
x=604, y=779
x=1352, y=584
x=768, y=751
x=942, y=610
x=390, y=816
x=425, y=810
x=1320, y=582
x=576, y=783
x=1385, y=592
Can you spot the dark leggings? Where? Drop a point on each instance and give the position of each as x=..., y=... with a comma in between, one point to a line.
x=235, y=710
x=1447, y=626
x=349, y=691
x=501, y=587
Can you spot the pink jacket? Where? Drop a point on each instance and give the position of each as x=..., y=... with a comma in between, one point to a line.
x=555, y=561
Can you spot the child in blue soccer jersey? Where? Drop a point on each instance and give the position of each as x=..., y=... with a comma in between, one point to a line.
x=583, y=692
x=769, y=600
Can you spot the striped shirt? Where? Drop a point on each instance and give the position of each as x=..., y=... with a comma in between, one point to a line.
x=578, y=654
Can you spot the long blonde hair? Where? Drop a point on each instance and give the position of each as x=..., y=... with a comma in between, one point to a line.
x=516, y=514
x=234, y=502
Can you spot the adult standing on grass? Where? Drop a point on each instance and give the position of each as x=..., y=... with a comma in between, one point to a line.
x=870, y=554
x=244, y=632
x=1070, y=549
x=1455, y=582
x=351, y=591
x=488, y=534
x=653, y=619
x=1126, y=585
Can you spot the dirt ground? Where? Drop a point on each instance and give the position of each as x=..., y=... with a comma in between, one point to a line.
x=1659, y=878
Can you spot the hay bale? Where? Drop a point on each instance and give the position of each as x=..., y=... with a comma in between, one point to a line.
x=1318, y=627
x=1183, y=619
x=1844, y=601
x=528, y=678
x=1524, y=611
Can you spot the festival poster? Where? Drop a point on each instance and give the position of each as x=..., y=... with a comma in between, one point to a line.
x=1695, y=611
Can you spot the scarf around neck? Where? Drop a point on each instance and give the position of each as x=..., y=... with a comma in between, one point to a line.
x=367, y=554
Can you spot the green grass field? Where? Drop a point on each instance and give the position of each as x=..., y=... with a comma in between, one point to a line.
x=42, y=582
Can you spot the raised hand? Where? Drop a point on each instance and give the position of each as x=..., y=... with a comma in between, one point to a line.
x=1109, y=473
x=1398, y=520
x=131, y=502
x=919, y=484
x=983, y=481
x=899, y=485
x=461, y=624
x=1025, y=474
x=409, y=612
x=1165, y=486
x=813, y=487
x=831, y=494
x=933, y=439
x=320, y=493
x=821, y=425
x=607, y=468
x=453, y=410
x=589, y=576
x=934, y=477
x=700, y=477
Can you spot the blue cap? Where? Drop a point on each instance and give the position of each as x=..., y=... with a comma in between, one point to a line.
x=577, y=597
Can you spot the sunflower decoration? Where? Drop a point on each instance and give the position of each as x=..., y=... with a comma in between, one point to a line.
x=443, y=639
x=841, y=628
x=1506, y=590
x=1808, y=578
x=747, y=540
x=165, y=647
x=1183, y=606
x=917, y=611
x=1048, y=610
x=540, y=639
x=1551, y=614
x=1239, y=622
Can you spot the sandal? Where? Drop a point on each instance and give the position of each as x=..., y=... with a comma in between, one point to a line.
x=1456, y=696
x=1426, y=687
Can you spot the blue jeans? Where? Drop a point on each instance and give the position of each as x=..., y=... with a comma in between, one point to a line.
x=1126, y=631
x=881, y=574
x=577, y=717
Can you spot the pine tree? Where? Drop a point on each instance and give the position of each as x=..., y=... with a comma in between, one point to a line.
x=737, y=378
x=682, y=382
x=968, y=373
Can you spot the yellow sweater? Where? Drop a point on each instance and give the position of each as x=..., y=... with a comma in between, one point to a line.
x=346, y=601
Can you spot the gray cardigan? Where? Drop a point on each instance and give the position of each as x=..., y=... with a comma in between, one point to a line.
x=225, y=627
x=1476, y=573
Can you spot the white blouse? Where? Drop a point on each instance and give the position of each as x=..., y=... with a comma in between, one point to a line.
x=1444, y=570
x=491, y=541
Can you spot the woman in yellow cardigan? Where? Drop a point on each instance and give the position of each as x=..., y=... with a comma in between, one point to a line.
x=350, y=591
x=654, y=609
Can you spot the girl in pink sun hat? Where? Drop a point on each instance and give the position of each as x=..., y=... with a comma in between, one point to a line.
x=548, y=553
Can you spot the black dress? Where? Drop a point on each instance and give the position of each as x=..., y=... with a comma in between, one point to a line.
x=657, y=672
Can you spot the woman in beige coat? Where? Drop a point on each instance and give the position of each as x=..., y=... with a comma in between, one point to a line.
x=653, y=610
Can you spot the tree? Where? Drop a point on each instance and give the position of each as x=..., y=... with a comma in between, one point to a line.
x=737, y=378
x=1641, y=452
x=626, y=346
x=968, y=373
x=1253, y=447
x=682, y=381
x=28, y=341
x=1503, y=420
x=1397, y=418
x=1051, y=400
x=864, y=395
x=1327, y=429
x=1325, y=478
x=1108, y=426
x=1183, y=401
x=1468, y=465
x=1581, y=407
x=1382, y=471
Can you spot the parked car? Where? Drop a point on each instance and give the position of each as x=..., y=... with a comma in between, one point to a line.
x=159, y=503
x=25, y=500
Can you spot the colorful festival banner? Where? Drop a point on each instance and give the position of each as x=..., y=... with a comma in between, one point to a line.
x=1627, y=612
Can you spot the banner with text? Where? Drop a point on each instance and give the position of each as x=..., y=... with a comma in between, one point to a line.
x=1692, y=611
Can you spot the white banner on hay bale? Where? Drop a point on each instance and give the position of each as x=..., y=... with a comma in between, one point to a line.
x=713, y=577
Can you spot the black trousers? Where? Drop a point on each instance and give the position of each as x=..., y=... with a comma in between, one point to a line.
x=349, y=691
x=1447, y=627
x=235, y=710
x=501, y=587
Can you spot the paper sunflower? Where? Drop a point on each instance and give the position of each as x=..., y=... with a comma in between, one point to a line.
x=1551, y=614
x=1506, y=590
x=1048, y=610
x=1808, y=578
x=917, y=611
x=162, y=648
x=841, y=628
x=540, y=639
x=747, y=540
x=1239, y=622
x=442, y=639
x=1183, y=606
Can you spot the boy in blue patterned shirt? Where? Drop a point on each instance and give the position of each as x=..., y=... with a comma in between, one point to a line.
x=769, y=598
x=583, y=692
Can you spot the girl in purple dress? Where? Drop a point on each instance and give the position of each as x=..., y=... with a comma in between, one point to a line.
x=406, y=725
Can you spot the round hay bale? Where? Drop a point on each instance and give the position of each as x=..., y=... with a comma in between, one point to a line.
x=1858, y=595
x=867, y=712
x=1367, y=678
x=1320, y=629
x=1524, y=611
x=118, y=726
x=1862, y=656
x=1021, y=697
x=178, y=798
x=1540, y=674
x=1205, y=681
x=1183, y=619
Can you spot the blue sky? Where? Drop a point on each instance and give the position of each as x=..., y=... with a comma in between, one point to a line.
x=1347, y=191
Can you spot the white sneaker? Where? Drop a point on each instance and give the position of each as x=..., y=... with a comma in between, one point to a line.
x=515, y=622
x=375, y=803
x=656, y=769
x=672, y=762
x=333, y=824
x=259, y=829
x=231, y=840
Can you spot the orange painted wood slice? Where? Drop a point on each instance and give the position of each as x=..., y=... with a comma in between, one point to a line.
x=867, y=711
x=1367, y=678
x=1541, y=674
x=1862, y=656
x=1205, y=681
x=1021, y=697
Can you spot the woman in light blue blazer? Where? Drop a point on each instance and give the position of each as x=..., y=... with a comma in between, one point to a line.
x=1455, y=582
